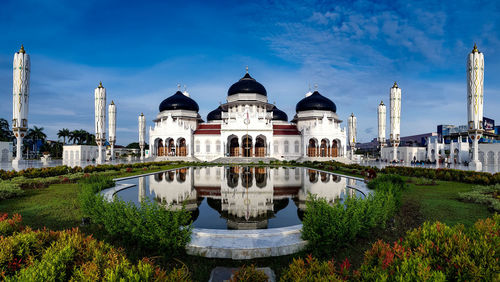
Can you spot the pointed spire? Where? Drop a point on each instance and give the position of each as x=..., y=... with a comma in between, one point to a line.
x=395, y=85
x=112, y=102
x=100, y=85
x=352, y=114
x=142, y=114
x=22, y=49
x=381, y=102
x=246, y=68
x=315, y=87
x=475, y=49
x=178, y=87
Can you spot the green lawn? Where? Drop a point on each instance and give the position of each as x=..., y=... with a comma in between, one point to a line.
x=55, y=207
x=440, y=202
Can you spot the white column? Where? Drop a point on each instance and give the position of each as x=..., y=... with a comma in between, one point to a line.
x=475, y=96
x=382, y=118
x=352, y=126
x=142, y=134
x=100, y=119
x=395, y=99
x=112, y=128
x=20, y=98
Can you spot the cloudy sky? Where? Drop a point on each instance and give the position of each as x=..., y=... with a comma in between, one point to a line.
x=353, y=50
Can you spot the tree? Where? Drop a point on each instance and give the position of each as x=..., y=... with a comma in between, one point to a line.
x=135, y=145
x=63, y=133
x=35, y=134
x=5, y=132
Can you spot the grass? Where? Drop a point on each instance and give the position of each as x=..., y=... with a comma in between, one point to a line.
x=57, y=207
x=441, y=202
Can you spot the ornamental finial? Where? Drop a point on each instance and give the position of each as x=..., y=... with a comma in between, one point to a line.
x=178, y=86
x=381, y=102
x=112, y=102
x=142, y=114
x=100, y=84
x=315, y=87
x=475, y=49
x=246, y=68
x=395, y=85
x=22, y=49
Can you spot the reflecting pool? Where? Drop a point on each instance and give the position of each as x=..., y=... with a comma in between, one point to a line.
x=241, y=197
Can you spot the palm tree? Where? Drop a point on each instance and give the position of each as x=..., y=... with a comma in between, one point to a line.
x=5, y=132
x=74, y=136
x=34, y=134
x=63, y=133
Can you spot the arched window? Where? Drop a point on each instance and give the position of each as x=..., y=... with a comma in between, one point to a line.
x=276, y=147
x=297, y=146
x=217, y=146
x=197, y=146
x=207, y=146
x=286, y=146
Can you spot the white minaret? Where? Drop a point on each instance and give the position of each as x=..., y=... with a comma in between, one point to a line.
x=142, y=133
x=20, y=98
x=475, y=78
x=112, y=127
x=395, y=97
x=382, y=120
x=352, y=126
x=100, y=119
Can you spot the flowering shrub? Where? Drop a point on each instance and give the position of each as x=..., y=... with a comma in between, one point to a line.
x=250, y=274
x=432, y=252
x=311, y=269
x=9, y=190
x=489, y=195
x=10, y=225
x=482, y=178
x=45, y=255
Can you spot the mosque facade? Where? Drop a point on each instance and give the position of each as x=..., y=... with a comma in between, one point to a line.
x=247, y=126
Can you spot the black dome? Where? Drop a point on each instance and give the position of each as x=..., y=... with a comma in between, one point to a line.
x=247, y=85
x=279, y=114
x=179, y=101
x=316, y=101
x=215, y=114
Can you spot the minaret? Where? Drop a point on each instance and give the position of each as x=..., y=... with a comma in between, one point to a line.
x=20, y=98
x=352, y=125
x=100, y=119
x=112, y=127
x=142, y=133
x=395, y=97
x=475, y=78
x=382, y=119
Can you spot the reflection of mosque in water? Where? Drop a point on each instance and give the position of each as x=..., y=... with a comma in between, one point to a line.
x=246, y=196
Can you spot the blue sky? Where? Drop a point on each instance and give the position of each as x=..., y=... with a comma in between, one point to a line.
x=353, y=50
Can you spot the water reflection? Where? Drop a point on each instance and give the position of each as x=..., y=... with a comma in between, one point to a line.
x=240, y=197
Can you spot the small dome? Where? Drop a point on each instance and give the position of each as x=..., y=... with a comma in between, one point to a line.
x=247, y=85
x=215, y=114
x=316, y=101
x=279, y=114
x=179, y=101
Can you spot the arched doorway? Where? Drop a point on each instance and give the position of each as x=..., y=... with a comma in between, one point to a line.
x=260, y=146
x=234, y=146
x=311, y=148
x=246, y=146
x=181, y=147
x=159, y=148
x=324, y=148
x=334, y=149
x=170, y=147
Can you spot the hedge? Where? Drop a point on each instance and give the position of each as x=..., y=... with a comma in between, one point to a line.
x=44, y=255
x=432, y=252
x=327, y=227
x=151, y=227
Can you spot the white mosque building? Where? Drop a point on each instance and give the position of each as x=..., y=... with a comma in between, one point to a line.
x=247, y=126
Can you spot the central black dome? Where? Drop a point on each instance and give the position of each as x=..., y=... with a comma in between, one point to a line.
x=179, y=101
x=317, y=102
x=279, y=114
x=247, y=85
x=215, y=114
